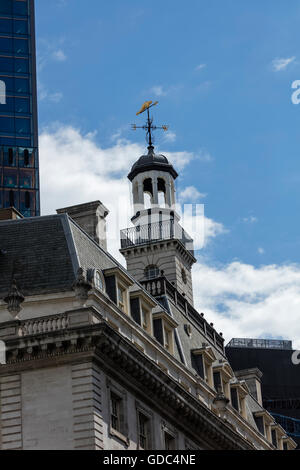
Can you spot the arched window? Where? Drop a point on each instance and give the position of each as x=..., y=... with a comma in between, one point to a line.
x=99, y=281
x=148, y=193
x=151, y=272
x=161, y=188
x=183, y=276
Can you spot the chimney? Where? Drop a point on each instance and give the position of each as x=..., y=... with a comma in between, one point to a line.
x=91, y=218
x=252, y=378
x=10, y=213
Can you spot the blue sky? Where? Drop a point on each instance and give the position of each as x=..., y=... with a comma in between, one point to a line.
x=222, y=72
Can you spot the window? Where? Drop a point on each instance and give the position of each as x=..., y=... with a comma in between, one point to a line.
x=217, y=381
x=259, y=420
x=10, y=156
x=11, y=198
x=144, y=428
x=26, y=157
x=98, y=280
x=169, y=441
x=27, y=200
x=183, y=276
x=235, y=398
x=151, y=272
x=198, y=363
x=115, y=412
x=274, y=437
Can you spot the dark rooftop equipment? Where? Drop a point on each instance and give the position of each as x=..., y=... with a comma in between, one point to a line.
x=260, y=343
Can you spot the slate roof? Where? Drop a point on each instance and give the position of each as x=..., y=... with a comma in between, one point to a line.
x=36, y=252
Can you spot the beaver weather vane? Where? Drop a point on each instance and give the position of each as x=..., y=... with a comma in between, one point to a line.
x=149, y=127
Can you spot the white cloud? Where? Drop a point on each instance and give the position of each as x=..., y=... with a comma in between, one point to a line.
x=59, y=55
x=170, y=136
x=260, y=250
x=45, y=95
x=200, y=67
x=75, y=169
x=190, y=194
x=244, y=301
x=280, y=64
x=159, y=90
x=250, y=220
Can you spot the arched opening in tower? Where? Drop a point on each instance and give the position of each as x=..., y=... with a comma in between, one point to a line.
x=161, y=188
x=148, y=193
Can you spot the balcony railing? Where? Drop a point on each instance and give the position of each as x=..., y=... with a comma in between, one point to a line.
x=161, y=286
x=164, y=230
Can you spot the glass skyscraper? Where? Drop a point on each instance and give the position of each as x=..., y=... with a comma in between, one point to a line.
x=19, y=167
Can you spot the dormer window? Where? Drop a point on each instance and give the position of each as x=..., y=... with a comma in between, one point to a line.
x=164, y=325
x=238, y=393
x=151, y=272
x=117, y=287
x=203, y=359
x=141, y=306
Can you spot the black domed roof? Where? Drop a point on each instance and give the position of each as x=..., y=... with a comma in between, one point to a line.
x=151, y=161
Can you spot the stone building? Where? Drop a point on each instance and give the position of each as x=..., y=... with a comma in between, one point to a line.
x=100, y=357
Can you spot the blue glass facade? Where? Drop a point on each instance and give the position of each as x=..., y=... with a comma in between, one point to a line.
x=19, y=167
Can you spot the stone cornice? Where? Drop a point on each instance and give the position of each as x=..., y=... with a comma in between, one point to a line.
x=106, y=345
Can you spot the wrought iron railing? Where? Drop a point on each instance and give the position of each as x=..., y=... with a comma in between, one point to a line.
x=164, y=230
x=161, y=286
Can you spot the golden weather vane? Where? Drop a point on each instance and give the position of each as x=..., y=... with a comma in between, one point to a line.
x=148, y=127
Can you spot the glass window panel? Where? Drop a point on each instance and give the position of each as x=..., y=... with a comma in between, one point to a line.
x=22, y=126
x=6, y=64
x=11, y=198
x=20, y=27
x=22, y=105
x=5, y=25
x=10, y=179
x=5, y=7
x=7, y=124
x=21, y=46
x=26, y=179
x=26, y=158
x=9, y=156
x=21, y=65
x=25, y=198
x=20, y=8
x=6, y=45
x=21, y=85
